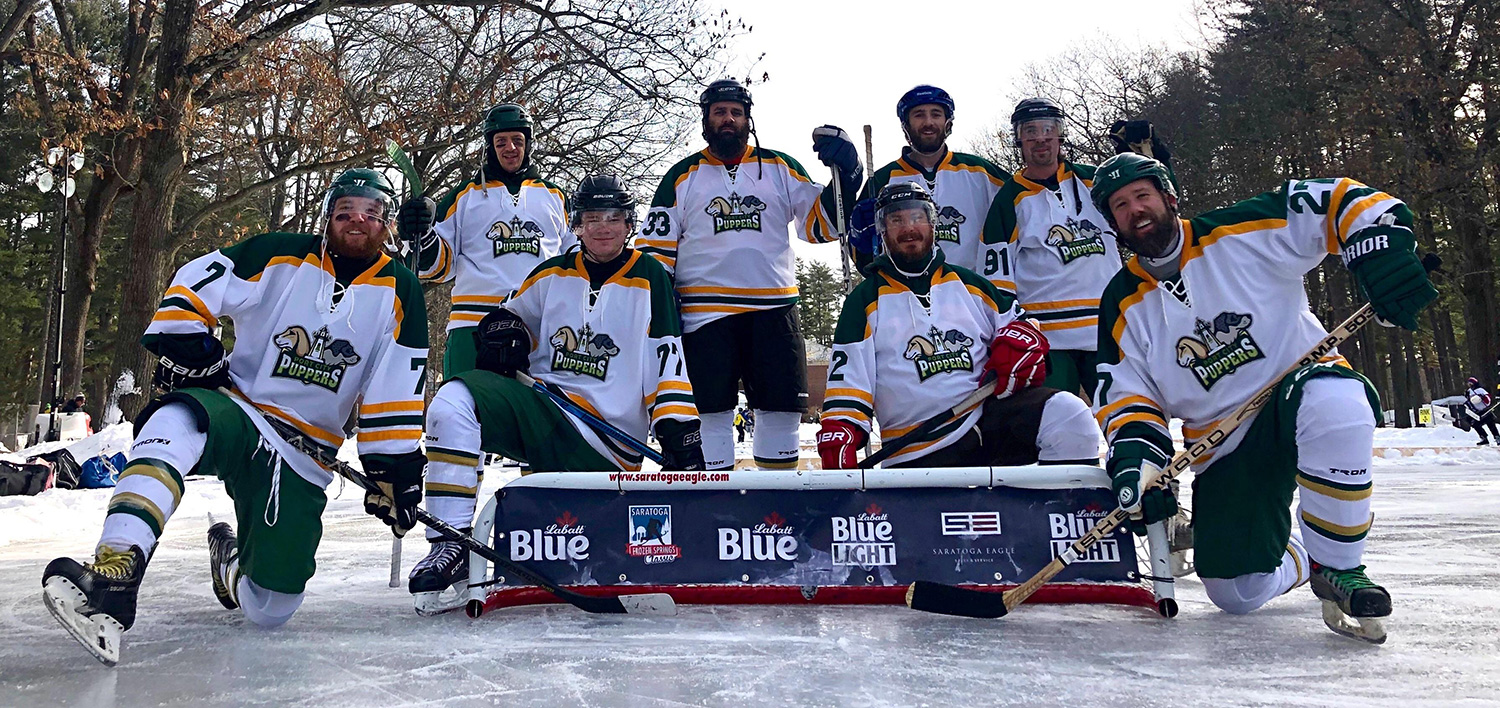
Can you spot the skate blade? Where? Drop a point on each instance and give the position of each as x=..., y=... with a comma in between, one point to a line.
x=98, y=633
x=1364, y=629
x=432, y=604
x=1181, y=566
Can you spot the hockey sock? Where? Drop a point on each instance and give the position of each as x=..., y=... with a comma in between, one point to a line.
x=718, y=439
x=266, y=608
x=455, y=464
x=1067, y=433
x=1245, y=593
x=150, y=487
x=1335, y=438
x=775, y=441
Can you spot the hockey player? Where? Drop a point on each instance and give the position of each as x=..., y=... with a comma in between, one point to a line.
x=491, y=230
x=1045, y=241
x=719, y=220
x=1208, y=312
x=962, y=185
x=1477, y=407
x=321, y=322
x=599, y=326
x=917, y=336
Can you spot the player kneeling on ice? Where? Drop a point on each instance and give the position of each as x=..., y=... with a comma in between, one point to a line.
x=598, y=326
x=918, y=336
x=1210, y=311
x=320, y=323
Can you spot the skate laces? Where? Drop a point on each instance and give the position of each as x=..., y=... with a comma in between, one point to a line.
x=1348, y=580
x=113, y=564
x=443, y=553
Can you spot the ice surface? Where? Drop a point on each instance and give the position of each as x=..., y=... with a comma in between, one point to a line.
x=357, y=642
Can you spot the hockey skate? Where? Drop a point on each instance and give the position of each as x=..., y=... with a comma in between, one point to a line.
x=1352, y=603
x=96, y=602
x=224, y=554
x=1180, y=543
x=439, y=582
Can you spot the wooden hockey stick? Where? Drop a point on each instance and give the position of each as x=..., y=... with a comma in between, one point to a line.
x=921, y=432
x=944, y=599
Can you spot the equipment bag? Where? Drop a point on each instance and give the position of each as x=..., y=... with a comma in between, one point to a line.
x=27, y=478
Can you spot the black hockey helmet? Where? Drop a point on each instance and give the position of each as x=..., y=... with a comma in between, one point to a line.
x=900, y=196
x=601, y=192
x=725, y=90
x=1031, y=109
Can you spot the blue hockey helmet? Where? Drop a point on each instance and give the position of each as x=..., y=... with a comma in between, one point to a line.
x=922, y=95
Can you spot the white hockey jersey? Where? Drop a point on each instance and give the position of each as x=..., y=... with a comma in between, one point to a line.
x=724, y=234
x=962, y=186
x=616, y=352
x=489, y=240
x=1055, y=251
x=308, y=345
x=1246, y=320
x=901, y=362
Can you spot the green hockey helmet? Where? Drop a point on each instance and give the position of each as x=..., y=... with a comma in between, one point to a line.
x=1122, y=169
x=507, y=116
x=361, y=182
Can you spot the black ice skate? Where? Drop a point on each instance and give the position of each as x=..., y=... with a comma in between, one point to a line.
x=96, y=602
x=1352, y=603
x=439, y=582
x=223, y=564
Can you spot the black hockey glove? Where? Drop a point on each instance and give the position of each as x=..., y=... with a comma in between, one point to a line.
x=1383, y=259
x=836, y=149
x=502, y=344
x=398, y=479
x=414, y=218
x=1139, y=136
x=681, y=445
x=189, y=361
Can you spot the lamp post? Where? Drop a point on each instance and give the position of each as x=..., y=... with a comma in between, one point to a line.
x=60, y=166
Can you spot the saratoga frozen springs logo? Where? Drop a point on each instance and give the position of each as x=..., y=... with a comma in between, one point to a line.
x=651, y=534
x=560, y=541
x=735, y=213
x=865, y=540
x=1218, y=348
x=1076, y=240
x=946, y=228
x=939, y=352
x=515, y=236
x=1067, y=528
x=317, y=359
x=582, y=352
x=771, y=540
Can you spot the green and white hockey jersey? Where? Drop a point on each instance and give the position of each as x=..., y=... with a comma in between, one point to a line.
x=488, y=240
x=724, y=234
x=1055, y=251
x=900, y=360
x=963, y=186
x=617, y=351
x=1245, y=321
x=309, y=343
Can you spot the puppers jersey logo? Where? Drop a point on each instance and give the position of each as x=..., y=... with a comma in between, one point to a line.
x=515, y=236
x=1076, y=239
x=582, y=352
x=317, y=359
x=1219, y=348
x=939, y=352
x=735, y=213
x=946, y=228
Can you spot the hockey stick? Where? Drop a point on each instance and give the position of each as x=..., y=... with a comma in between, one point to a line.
x=413, y=258
x=838, y=227
x=646, y=604
x=944, y=599
x=921, y=432
x=592, y=420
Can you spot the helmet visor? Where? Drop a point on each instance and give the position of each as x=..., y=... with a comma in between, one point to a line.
x=904, y=212
x=1039, y=129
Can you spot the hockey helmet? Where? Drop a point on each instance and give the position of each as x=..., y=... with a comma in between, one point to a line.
x=901, y=196
x=507, y=116
x=1037, y=109
x=725, y=90
x=922, y=95
x=1122, y=169
x=1473, y=382
x=601, y=192
x=361, y=182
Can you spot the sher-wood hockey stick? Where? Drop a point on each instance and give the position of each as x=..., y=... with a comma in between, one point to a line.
x=413, y=257
x=945, y=599
x=592, y=420
x=923, y=431
x=642, y=604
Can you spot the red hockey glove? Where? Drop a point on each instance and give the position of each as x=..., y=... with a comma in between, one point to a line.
x=837, y=442
x=1018, y=356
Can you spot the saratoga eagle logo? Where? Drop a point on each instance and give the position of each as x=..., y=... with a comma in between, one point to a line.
x=735, y=213
x=939, y=352
x=317, y=359
x=515, y=236
x=946, y=228
x=582, y=352
x=1076, y=239
x=1218, y=348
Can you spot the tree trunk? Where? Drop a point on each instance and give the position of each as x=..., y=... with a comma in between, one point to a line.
x=82, y=280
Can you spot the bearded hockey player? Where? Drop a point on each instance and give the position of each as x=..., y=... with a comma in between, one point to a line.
x=962, y=185
x=491, y=230
x=1046, y=242
x=321, y=322
x=719, y=220
x=599, y=326
x=1208, y=312
x=919, y=335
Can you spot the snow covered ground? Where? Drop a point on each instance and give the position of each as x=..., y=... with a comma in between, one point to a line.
x=356, y=642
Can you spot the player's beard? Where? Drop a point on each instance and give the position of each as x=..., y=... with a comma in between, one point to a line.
x=1156, y=239
x=927, y=144
x=729, y=144
x=359, y=247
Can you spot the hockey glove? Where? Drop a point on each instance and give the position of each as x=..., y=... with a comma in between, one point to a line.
x=1018, y=357
x=189, y=361
x=414, y=218
x=398, y=481
x=837, y=441
x=502, y=343
x=836, y=149
x=1139, y=136
x=681, y=445
x=1383, y=259
x=1145, y=506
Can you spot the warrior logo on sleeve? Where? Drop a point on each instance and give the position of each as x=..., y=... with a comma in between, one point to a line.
x=317, y=359
x=939, y=352
x=946, y=228
x=515, y=236
x=1218, y=348
x=582, y=352
x=736, y=213
x=1076, y=239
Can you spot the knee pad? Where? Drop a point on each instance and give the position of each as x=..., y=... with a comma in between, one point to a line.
x=267, y=608
x=776, y=443
x=452, y=414
x=718, y=439
x=455, y=462
x=1067, y=432
x=1249, y=592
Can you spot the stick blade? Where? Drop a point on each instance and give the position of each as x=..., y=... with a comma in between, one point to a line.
x=654, y=603
x=942, y=599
